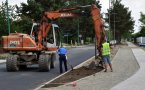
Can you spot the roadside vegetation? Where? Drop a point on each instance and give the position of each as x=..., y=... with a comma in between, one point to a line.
x=82, y=29
x=141, y=33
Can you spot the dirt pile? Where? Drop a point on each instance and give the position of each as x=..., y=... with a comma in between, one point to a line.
x=73, y=76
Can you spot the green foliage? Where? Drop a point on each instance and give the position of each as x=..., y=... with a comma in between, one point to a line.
x=109, y=35
x=34, y=8
x=83, y=24
x=3, y=20
x=21, y=20
x=142, y=20
x=121, y=21
x=31, y=10
x=142, y=27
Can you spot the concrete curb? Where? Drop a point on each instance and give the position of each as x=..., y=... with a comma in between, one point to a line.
x=78, y=66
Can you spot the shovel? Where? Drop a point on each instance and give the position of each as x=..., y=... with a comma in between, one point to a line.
x=69, y=64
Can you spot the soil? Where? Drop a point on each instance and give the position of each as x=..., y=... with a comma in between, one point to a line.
x=73, y=76
x=90, y=68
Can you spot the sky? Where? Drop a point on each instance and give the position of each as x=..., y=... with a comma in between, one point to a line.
x=13, y=2
x=135, y=6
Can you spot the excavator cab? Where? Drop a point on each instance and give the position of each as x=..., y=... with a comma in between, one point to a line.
x=53, y=38
x=34, y=30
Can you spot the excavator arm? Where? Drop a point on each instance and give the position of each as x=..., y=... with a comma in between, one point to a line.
x=45, y=23
x=98, y=25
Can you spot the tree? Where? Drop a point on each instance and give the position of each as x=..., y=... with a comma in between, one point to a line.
x=3, y=20
x=121, y=21
x=141, y=33
x=12, y=17
x=34, y=8
x=142, y=27
x=83, y=24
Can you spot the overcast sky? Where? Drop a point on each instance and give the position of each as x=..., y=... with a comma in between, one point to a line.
x=135, y=6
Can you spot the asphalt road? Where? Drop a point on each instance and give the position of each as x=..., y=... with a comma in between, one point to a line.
x=31, y=78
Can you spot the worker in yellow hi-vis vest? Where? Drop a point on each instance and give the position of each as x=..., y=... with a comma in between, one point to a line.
x=106, y=55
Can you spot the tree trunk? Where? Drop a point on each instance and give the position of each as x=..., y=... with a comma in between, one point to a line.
x=118, y=37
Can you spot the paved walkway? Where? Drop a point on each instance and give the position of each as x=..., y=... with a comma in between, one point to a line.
x=137, y=81
x=129, y=74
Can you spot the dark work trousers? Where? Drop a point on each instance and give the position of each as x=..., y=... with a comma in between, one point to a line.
x=62, y=60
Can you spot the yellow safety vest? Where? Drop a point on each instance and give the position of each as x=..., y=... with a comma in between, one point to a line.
x=106, y=49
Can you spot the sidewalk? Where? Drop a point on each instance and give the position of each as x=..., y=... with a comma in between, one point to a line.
x=137, y=81
x=128, y=67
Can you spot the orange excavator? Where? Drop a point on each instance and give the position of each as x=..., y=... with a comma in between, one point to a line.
x=40, y=47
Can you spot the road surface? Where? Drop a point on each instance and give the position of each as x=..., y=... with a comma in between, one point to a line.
x=31, y=78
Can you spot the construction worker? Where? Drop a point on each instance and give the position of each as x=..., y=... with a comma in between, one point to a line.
x=62, y=58
x=106, y=55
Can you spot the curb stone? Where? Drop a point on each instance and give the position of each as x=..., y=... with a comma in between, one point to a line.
x=78, y=66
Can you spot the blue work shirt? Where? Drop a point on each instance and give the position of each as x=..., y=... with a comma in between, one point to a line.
x=62, y=51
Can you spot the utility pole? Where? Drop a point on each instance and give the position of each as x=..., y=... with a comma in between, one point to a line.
x=8, y=17
x=114, y=26
x=109, y=23
x=114, y=20
x=78, y=32
x=95, y=48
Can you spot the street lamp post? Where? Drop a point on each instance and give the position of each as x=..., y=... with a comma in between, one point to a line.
x=114, y=27
x=95, y=48
x=109, y=22
x=114, y=20
x=8, y=17
x=78, y=32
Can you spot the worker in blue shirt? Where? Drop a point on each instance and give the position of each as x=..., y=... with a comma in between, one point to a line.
x=62, y=58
